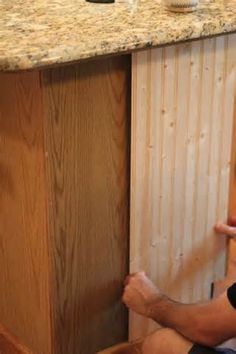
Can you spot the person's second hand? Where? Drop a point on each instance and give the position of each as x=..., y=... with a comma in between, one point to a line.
x=227, y=230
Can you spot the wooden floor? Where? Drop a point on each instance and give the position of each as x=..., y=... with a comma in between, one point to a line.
x=10, y=345
x=7, y=348
x=125, y=348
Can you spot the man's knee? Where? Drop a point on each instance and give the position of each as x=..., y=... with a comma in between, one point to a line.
x=155, y=342
x=165, y=341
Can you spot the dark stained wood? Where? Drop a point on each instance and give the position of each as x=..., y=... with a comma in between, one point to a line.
x=87, y=126
x=24, y=290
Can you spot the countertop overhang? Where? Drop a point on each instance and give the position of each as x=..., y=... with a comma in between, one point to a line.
x=37, y=34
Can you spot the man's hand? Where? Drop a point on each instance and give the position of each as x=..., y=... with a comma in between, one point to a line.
x=225, y=229
x=140, y=294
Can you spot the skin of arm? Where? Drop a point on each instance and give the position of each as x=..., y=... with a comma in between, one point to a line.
x=225, y=229
x=209, y=323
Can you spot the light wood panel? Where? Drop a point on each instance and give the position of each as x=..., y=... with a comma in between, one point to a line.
x=24, y=290
x=182, y=115
x=87, y=109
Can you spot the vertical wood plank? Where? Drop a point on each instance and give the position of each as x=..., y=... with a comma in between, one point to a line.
x=178, y=173
x=216, y=210
x=24, y=285
x=87, y=143
x=191, y=158
x=181, y=141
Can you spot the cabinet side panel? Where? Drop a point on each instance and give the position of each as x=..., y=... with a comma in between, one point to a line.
x=24, y=288
x=87, y=134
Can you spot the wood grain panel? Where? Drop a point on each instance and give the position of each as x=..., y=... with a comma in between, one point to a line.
x=24, y=304
x=182, y=117
x=87, y=139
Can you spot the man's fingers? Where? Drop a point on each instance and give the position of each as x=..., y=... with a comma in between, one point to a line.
x=132, y=275
x=221, y=228
x=128, y=278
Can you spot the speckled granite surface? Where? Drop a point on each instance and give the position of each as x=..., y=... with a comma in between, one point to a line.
x=38, y=33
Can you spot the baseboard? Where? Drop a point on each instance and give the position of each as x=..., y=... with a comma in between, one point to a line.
x=10, y=344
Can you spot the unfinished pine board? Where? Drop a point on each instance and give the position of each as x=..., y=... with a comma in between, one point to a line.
x=182, y=118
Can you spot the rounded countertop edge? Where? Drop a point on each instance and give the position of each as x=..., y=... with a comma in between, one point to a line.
x=23, y=63
x=133, y=33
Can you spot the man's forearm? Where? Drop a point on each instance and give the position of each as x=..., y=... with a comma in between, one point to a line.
x=180, y=317
x=207, y=323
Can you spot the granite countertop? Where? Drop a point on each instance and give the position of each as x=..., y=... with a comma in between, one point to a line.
x=39, y=33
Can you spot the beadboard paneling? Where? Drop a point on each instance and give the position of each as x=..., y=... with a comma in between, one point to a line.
x=182, y=115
